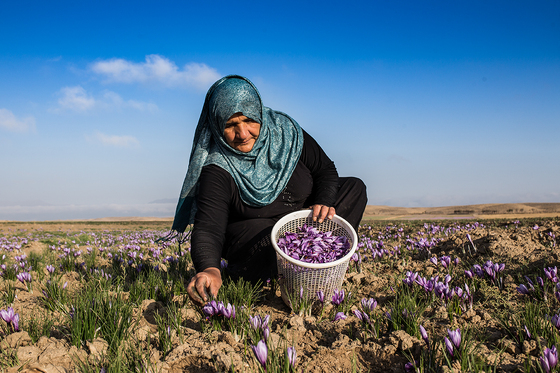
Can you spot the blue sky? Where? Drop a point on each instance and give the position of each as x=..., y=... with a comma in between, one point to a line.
x=431, y=103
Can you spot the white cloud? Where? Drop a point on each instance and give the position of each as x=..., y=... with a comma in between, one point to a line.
x=116, y=141
x=156, y=69
x=10, y=122
x=114, y=99
x=75, y=98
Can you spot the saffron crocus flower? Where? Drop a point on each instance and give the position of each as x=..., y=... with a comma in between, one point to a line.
x=261, y=352
x=369, y=304
x=434, y=260
x=11, y=318
x=551, y=274
x=424, y=335
x=339, y=316
x=527, y=333
x=321, y=296
x=555, y=320
x=50, y=268
x=549, y=360
x=522, y=289
x=445, y=261
x=448, y=345
x=455, y=337
x=338, y=297
x=292, y=356
x=471, y=241
x=24, y=277
x=410, y=278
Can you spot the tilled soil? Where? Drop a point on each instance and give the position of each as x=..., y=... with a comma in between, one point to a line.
x=525, y=247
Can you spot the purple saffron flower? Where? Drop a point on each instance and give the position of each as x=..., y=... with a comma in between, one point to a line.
x=50, y=268
x=551, y=274
x=24, y=277
x=540, y=282
x=410, y=278
x=527, y=333
x=555, y=320
x=359, y=314
x=261, y=352
x=424, y=335
x=11, y=318
x=448, y=345
x=445, y=261
x=477, y=270
x=339, y=316
x=469, y=274
x=434, y=260
x=455, y=337
x=210, y=309
x=338, y=297
x=549, y=360
x=409, y=367
x=522, y=289
x=369, y=304
x=292, y=356
x=321, y=296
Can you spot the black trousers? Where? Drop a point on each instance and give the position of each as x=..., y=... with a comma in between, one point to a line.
x=248, y=249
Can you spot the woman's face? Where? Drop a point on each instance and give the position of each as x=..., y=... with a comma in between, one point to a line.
x=241, y=132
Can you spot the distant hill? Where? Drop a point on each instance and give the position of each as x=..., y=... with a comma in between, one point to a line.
x=483, y=211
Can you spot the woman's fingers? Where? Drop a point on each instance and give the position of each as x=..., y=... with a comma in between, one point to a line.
x=203, y=284
x=321, y=212
x=192, y=290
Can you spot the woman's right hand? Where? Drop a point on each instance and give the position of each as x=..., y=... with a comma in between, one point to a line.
x=204, y=283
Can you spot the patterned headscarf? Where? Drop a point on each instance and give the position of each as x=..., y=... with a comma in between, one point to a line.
x=262, y=173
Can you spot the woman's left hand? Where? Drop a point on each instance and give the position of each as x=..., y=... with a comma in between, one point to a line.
x=321, y=212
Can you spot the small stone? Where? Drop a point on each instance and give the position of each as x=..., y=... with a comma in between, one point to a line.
x=297, y=322
x=18, y=339
x=28, y=353
x=530, y=347
x=97, y=348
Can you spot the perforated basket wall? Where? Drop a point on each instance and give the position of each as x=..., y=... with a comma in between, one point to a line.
x=295, y=274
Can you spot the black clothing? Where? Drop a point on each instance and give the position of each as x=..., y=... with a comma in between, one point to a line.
x=227, y=227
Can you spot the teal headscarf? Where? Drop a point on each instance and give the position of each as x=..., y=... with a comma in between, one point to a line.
x=262, y=173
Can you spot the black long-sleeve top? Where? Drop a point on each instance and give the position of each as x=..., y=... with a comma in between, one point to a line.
x=314, y=181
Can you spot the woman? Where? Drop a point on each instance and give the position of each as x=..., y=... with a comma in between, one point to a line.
x=249, y=166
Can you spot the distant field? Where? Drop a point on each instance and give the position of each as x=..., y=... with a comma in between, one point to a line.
x=483, y=211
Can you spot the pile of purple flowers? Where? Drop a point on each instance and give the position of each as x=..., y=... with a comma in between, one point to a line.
x=313, y=246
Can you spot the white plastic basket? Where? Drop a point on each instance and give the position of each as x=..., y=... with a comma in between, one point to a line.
x=312, y=277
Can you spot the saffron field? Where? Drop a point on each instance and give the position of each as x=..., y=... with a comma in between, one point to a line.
x=419, y=296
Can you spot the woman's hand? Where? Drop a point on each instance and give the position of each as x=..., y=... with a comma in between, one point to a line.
x=204, y=283
x=321, y=212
